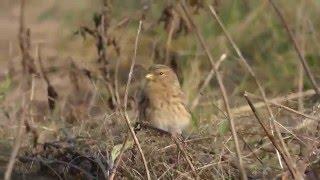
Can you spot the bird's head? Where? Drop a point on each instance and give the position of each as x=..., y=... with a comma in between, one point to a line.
x=161, y=75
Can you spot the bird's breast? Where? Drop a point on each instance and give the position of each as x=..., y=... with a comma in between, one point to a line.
x=171, y=117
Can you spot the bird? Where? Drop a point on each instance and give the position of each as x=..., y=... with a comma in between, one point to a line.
x=162, y=103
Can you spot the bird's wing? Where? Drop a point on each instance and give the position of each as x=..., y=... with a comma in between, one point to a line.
x=183, y=98
x=194, y=120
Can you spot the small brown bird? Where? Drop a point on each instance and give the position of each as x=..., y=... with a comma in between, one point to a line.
x=162, y=102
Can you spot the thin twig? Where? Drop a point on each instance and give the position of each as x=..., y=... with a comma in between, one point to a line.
x=102, y=167
x=300, y=88
x=165, y=172
x=240, y=110
x=125, y=101
x=252, y=73
x=297, y=48
x=42, y=72
x=17, y=145
x=119, y=158
x=116, y=82
x=206, y=82
x=222, y=88
x=29, y=126
x=262, y=147
x=251, y=150
x=276, y=144
x=245, y=156
x=176, y=141
x=47, y=163
x=187, y=141
x=184, y=153
x=285, y=108
x=28, y=66
x=300, y=67
x=51, y=92
x=133, y=62
x=169, y=40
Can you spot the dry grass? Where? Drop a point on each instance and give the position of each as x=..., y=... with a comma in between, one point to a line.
x=71, y=101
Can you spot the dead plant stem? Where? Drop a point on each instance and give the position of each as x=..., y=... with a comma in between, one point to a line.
x=125, y=101
x=252, y=73
x=221, y=85
x=119, y=158
x=295, y=174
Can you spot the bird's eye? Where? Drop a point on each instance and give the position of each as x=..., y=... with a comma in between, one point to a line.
x=161, y=73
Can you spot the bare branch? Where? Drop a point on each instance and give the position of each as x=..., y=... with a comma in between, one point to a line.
x=206, y=81
x=51, y=92
x=252, y=73
x=119, y=158
x=285, y=108
x=180, y=147
x=124, y=113
x=240, y=110
x=16, y=147
x=221, y=85
x=275, y=143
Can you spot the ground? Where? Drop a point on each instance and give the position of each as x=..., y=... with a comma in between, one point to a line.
x=82, y=135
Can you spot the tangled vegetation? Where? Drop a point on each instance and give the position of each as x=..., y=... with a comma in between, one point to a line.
x=250, y=70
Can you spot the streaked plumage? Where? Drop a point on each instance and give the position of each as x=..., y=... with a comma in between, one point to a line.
x=162, y=102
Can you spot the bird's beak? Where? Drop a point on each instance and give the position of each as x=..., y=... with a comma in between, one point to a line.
x=149, y=76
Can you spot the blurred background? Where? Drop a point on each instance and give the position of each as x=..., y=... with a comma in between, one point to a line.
x=254, y=26
x=65, y=31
